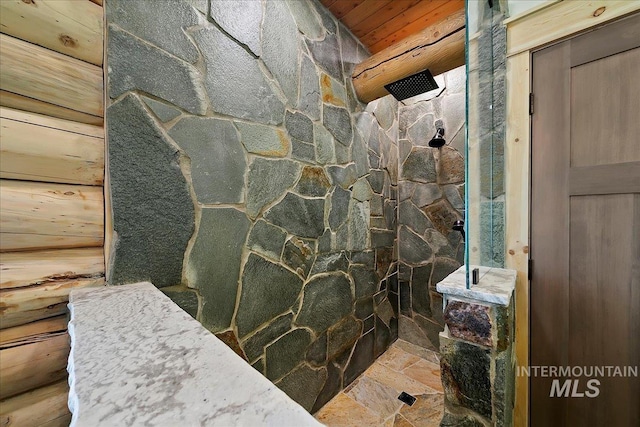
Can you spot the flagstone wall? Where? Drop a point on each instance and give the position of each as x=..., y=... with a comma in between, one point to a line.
x=249, y=184
x=431, y=199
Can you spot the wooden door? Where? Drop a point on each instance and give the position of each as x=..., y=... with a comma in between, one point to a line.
x=585, y=225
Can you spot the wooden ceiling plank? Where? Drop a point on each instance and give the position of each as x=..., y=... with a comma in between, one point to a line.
x=437, y=16
x=364, y=11
x=424, y=7
x=440, y=48
x=342, y=7
x=328, y=3
x=390, y=11
x=420, y=10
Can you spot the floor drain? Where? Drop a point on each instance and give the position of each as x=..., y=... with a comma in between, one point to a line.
x=407, y=398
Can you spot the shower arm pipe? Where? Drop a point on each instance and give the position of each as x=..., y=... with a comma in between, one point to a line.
x=439, y=48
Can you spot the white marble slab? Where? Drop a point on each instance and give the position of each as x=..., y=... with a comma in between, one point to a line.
x=496, y=285
x=137, y=359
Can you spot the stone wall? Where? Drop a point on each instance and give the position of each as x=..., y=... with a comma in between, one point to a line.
x=251, y=186
x=431, y=198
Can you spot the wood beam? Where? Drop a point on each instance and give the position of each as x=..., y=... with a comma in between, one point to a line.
x=24, y=305
x=24, y=269
x=45, y=406
x=24, y=103
x=38, y=215
x=70, y=27
x=33, y=365
x=35, y=72
x=439, y=48
x=33, y=332
x=41, y=148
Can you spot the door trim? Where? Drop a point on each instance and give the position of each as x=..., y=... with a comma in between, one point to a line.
x=562, y=20
x=525, y=34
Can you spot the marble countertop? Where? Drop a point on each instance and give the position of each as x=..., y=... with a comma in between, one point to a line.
x=496, y=285
x=137, y=359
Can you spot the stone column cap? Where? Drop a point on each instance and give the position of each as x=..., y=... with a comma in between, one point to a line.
x=496, y=285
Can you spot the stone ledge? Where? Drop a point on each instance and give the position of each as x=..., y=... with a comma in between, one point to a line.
x=138, y=359
x=496, y=285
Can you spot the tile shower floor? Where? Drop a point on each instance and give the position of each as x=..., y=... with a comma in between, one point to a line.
x=372, y=399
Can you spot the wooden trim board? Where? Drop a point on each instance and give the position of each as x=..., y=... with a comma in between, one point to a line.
x=528, y=12
x=562, y=20
x=517, y=161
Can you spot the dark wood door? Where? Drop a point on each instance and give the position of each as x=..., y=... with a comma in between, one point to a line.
x=585, y=226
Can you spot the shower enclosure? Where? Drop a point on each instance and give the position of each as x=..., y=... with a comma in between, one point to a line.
x=486, y=119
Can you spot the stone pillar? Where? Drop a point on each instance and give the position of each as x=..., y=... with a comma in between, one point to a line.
x=477, y=353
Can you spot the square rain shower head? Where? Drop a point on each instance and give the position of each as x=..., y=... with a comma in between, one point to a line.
x=413, y=85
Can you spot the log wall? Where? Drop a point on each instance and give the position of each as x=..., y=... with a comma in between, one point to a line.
x=52, y=156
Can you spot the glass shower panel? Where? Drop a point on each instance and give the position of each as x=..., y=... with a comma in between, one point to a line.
x=486, y=117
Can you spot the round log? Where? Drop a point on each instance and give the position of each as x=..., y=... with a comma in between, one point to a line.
x=439, y=48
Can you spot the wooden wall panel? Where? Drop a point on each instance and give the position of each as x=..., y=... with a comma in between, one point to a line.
x=40, y=148
x=604, y=303
x=36, y=72
x=30, y=366
x=40, y=215
x=67, y=26
x=595, y=140
x=45, y=406
x=20, y=269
